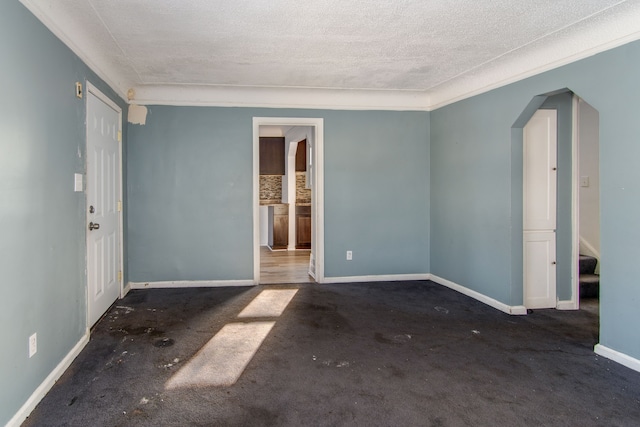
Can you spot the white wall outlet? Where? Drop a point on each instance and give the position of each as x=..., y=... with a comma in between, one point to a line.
x=349, y=255
x=33, y=345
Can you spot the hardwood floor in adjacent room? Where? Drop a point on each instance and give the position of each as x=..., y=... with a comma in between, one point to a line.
x=284, y=266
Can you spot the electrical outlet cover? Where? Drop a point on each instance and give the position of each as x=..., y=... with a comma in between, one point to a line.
x=77, y=182
x=33, y=345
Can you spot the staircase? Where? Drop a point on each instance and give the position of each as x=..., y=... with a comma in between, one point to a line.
x=589, y=280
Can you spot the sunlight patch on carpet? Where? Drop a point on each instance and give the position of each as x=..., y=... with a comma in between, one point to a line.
x=223, y=359
x=269, y=303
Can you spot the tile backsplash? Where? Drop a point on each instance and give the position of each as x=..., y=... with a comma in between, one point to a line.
x=270, y=187
x=303, y=195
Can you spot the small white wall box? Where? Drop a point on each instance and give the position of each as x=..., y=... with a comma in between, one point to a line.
x=77, y=182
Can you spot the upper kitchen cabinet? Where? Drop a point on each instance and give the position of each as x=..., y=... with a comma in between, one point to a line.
x=301, y=156
x=272, y=156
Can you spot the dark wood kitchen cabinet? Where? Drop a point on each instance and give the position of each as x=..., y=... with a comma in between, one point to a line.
x=278, y=226
x=301, y=156
x=272, y=156
x=303, y=227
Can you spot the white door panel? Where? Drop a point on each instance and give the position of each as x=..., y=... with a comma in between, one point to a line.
x=540, y=269
x=540, y=164
x=103, y=184
x=540, y=209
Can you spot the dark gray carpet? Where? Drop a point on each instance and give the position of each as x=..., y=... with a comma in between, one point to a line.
x=374, y=354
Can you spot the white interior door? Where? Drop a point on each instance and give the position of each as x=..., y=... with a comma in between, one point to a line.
x=103, y=194
x=540, y=208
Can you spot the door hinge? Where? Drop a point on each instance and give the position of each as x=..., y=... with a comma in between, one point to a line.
x=119, y=136
x=119, y=275
x=119, y=205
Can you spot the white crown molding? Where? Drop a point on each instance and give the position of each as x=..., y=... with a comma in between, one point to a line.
x=50, y=15
x=281, y=97
x=442, y=98
x=608, y=29
x=614, y=27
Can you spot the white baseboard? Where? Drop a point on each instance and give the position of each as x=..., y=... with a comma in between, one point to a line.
x=48, y=383
x=616, y=356
x=509, y=309
x=191, y=284
x=567, y=305
x=126, y=289
x=590, y=249
x=378, y=278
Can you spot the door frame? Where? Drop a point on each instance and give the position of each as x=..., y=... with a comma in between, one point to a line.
x=517, y=199
x=91, y=89
x=574, y=304
x=317, y=193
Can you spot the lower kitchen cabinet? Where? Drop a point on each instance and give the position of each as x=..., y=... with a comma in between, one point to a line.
x=303, y=227
x=279, y=226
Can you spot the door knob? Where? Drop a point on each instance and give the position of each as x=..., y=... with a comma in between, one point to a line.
x=93, y=226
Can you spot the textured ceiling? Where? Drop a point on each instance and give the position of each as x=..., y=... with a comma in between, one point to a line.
x=421, y=46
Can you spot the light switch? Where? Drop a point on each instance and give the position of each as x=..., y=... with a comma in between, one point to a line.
x=584, y=181
x=77, y=182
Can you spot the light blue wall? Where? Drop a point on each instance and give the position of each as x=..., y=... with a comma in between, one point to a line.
x=377, y=185
x=470, y=175
x=474, y=214
x=190, y=192
x=41, y=218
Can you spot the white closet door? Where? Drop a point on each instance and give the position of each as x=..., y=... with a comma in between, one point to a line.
x=540, y=209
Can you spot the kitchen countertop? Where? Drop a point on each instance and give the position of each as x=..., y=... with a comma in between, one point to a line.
x=271, y=202
x=278, y=202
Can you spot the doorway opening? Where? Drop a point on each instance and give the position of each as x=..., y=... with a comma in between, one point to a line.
x=288, y=200
x=554, y=269
x=587, y=125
